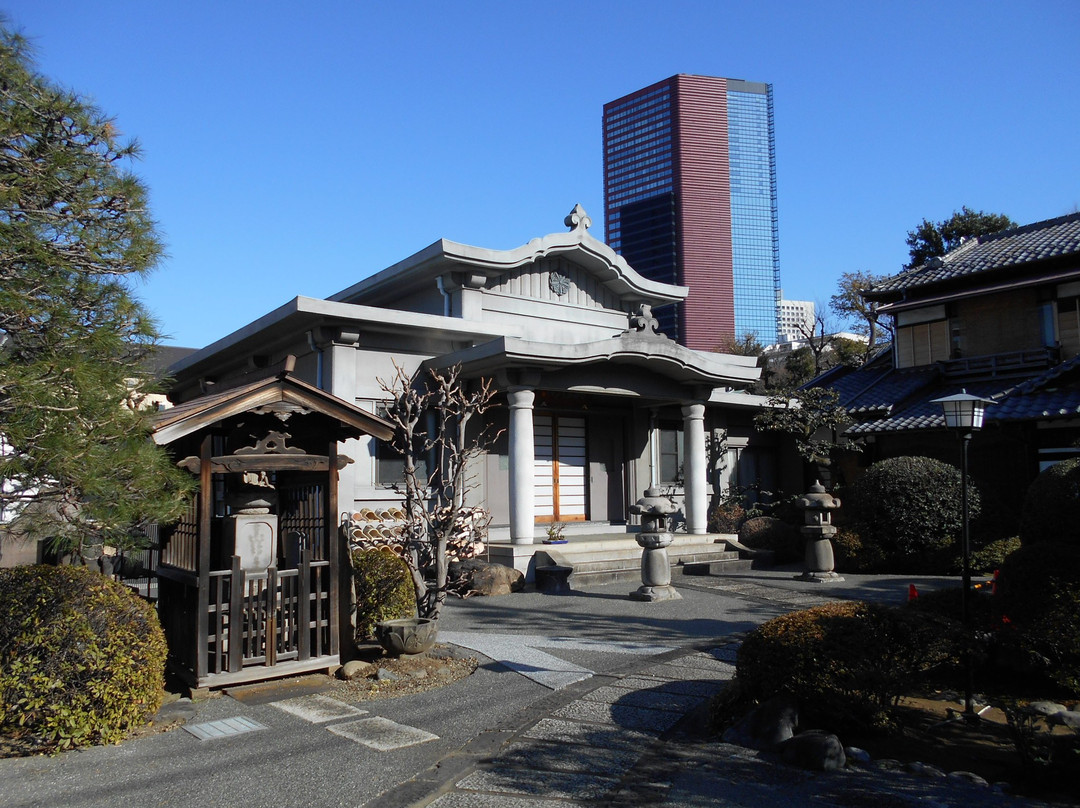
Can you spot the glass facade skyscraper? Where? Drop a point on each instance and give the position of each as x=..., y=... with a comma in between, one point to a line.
x=690, y=198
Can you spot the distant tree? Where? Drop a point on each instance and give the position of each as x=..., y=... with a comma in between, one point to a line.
x=847, y=351
x=861, y=314
x=74, y=226
x=812, y=417
x=746, y=345
x=785, y=371
x=818, y=332
x=931, y=239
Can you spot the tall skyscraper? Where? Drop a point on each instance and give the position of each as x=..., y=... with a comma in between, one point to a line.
x=690, y=198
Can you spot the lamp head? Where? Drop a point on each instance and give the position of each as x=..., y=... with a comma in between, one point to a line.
x=963, y=412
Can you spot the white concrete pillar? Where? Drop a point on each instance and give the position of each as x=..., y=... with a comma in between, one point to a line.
x=339, y=376
x=522, y=458
x=695, y=469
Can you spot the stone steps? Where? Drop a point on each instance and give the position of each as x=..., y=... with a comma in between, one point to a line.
x=620, y=559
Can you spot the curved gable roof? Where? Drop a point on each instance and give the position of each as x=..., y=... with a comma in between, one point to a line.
x=421, y=269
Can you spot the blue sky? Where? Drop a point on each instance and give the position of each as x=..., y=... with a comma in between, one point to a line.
x=296, y=148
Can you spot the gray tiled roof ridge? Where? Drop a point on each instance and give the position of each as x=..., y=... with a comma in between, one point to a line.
x=1033, y=384
x=952, y=263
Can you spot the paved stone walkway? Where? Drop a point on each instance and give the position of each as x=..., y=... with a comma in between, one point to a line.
x=591, y=748
x=521, y=653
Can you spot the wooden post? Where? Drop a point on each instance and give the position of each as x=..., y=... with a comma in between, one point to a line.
x=236, y=616
x=334, y=542
x=270, y=638
x=303, y=610
x=206, y=511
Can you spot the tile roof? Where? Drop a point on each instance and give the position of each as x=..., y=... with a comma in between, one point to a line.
x=1040, y=241
x=882, y=399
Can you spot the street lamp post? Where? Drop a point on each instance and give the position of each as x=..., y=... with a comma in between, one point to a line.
x=964, y=414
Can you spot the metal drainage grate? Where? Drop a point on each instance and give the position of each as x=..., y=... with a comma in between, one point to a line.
x=223, y=728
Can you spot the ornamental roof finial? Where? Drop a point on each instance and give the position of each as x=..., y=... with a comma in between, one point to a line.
x=578, y=219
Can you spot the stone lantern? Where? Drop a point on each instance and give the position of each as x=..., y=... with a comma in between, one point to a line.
x=654, y=538
x=818, y=505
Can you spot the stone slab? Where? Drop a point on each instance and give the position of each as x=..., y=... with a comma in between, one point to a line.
x=668, y=671
x=619, y=715
x=318, y=709
x=537, y=782
x=567, y=757
x=517, y=653
x=593, y=735
x=603, y=646
x=653, y=699
x=382, y=734
x=224, y=728
x=470, y=799
x=704, y=662
x=686, y=687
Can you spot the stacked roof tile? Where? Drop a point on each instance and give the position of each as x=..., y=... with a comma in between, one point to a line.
x=882, y=398
x=1031, y=243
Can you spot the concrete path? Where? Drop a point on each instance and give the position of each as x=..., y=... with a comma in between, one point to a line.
x=588, y=699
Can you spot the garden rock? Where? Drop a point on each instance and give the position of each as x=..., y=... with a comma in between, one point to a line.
x=924, y=769
x=1066, y=718
x=815, y=750
x=356, y=669
x=968, y=777
x=384, y=675
x=860, y=757
x=482, y=578
x=766, y=726
x=1045, y=708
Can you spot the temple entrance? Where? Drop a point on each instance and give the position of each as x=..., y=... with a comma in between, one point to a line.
x=559, y=468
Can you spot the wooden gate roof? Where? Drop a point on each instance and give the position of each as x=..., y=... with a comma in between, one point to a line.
x=283, y=392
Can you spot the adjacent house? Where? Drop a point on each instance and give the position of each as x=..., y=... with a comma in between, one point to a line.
x=999, y=317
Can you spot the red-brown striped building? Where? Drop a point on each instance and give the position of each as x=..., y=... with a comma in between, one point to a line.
x=690, y=199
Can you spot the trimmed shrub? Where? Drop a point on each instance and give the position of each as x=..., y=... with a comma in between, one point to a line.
x=852, y=555
x=727, y=517
x=1051, y=510
x=991, y=557
x=1039, y=602
x=845, y=663
x=82, y=658
x=769, y=533
x=949, y=603
x=909, y=508
x=382, y=588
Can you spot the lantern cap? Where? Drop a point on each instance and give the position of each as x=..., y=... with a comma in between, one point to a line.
x=963, y=410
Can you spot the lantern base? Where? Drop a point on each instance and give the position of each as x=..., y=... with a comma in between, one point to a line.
x=820, y=577
x=655, y=594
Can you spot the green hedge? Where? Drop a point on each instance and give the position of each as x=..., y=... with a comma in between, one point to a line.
x=1051, y=510
x=382, y=589
x=1039, y=603
x=82, y=658
x=908, y=510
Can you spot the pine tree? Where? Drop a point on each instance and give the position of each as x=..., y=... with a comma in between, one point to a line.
x=76, y=463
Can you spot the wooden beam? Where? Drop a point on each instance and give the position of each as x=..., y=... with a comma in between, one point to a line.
x=228, y=464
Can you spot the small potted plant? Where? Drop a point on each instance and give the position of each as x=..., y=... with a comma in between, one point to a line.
x=555, y=534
